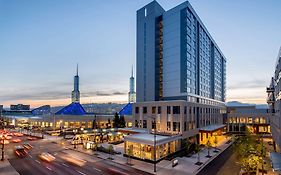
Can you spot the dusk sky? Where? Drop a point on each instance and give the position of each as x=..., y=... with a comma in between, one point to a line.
x=42, y=41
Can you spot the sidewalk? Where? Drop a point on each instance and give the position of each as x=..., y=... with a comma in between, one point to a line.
x=6, y=168
x=186, y=165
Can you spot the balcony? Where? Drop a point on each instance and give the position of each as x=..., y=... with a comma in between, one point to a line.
x=269, y=89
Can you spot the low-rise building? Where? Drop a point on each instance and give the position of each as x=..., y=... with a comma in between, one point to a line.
x=248, y=117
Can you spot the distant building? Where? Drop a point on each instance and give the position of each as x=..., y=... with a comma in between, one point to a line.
x=19, y=107
x=248, y=117
x=132, y=93
x=75, y=95
x=46, y=109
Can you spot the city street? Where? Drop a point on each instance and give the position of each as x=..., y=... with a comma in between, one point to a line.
x=33, y=165
x=224, y=164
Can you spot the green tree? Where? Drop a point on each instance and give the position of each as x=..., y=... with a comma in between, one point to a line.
x=130, y=154
x=122, y=122
x=95, y=124
x=116, y=120
x=187, y=146
x=216, y=143
x=248, y=152
x=110, y=150
x=209, y=145
x=108, y=123
x=197, y=150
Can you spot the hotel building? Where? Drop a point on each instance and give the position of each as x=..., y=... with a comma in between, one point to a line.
x=180, y=82
x=274, y=102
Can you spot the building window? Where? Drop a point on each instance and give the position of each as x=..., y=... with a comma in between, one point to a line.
x=153, y=124
x=168, y=109
x=176, y=109
x=185, y=109
x=185, y=126
x=168, y=126
x=137, y=110
x=144, y=124
x=136, y=123
x=159, y=109
x=144, y=110
x=153, y=109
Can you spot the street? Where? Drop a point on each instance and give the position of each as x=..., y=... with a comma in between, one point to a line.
x=33, y=165
x=224, y=164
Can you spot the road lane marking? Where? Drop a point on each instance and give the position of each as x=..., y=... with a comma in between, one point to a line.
x=96, y=169
x=80, y=172
x=65, y=165
x=37, y=161
x=49, y=168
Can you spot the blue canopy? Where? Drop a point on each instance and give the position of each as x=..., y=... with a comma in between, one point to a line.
x=127, y=110
x=72, y=109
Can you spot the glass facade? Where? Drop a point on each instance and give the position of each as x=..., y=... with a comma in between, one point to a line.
x=146, y=152
x=205, y=65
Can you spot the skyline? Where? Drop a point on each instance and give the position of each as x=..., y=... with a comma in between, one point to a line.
x=88, y=40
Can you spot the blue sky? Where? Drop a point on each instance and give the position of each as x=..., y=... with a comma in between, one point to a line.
x=41, y=42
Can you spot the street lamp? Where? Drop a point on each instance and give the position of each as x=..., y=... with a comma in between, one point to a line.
x=3, y=143
x=74, y=131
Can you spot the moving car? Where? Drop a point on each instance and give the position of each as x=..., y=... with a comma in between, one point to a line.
x=27, y=146
x=20, y=151
x=46, y=157
x=16, y=140
x=73, y=160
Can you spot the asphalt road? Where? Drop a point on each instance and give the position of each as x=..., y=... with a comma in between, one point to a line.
x=33, y=165
x=224, y=164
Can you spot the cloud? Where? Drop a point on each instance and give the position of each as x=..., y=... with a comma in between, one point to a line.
x=248, y=84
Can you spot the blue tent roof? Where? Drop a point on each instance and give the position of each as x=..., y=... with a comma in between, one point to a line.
x=127, y=110
x=72, y=109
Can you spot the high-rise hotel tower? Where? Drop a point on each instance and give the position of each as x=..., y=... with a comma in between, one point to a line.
x=176, y=56
x=180, y=81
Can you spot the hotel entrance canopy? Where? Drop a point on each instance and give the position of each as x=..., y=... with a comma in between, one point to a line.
x=148, y=139
x=211, y=128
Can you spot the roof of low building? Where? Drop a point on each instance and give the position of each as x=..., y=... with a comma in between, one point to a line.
x=126, y=110
x=72, y=109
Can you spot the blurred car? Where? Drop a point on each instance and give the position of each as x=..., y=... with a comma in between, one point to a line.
x=6, y=142
x=20, y=151
x=73, y=160
x=31, y=138
x=8, y=137
x=46, y=157
x=18, y=134
x=27, y=146
x=16, y=140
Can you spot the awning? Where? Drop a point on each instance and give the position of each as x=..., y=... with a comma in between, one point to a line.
x=211, y=128
x=276, y=161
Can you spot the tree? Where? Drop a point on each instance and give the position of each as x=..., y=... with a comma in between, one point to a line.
x=187, y=146
x=130, y=153
x=216, y=143
x=197, y=150
x=108, y=123
x=116, y=120
x=122, y=122
x=209, y=145
x=95, y=124
x=110, y=150
x=248, y=150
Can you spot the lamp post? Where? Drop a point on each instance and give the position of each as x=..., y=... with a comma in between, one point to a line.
x=74, y=138
x=3, y=143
